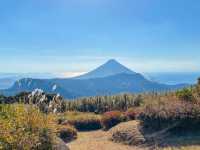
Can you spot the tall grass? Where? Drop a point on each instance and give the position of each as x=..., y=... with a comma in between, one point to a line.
x=24, y=127
x=185, y=114
x=101, y=104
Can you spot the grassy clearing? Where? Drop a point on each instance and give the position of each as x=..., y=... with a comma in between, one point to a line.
x=80, y=116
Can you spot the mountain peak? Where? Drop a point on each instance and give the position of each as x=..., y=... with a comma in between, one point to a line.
x=111, y=67
x=112, y=61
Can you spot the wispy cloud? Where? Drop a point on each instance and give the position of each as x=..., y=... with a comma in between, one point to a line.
x=69, y=74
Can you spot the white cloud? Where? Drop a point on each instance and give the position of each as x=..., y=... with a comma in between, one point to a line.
x=69, y=74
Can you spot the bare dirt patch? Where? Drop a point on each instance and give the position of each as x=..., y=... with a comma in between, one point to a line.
x=97, y=140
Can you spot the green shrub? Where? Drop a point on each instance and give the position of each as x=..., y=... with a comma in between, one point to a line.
x=24, y=127
x=111, y=118
x=198, y=81
x=185, y=94
x=45, y=138
x=139, y=101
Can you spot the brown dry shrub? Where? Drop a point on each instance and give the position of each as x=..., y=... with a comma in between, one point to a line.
x=132, y=113
x=111, y=118
x=127, y=133
x=162, y=115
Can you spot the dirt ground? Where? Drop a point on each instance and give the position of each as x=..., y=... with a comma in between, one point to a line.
x=97, y=140
x=100, y=140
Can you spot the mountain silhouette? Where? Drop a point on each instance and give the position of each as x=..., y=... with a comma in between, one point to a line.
x=111, y=67
x=108, y=79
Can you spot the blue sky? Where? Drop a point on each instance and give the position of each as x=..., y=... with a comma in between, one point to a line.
x=75, y=36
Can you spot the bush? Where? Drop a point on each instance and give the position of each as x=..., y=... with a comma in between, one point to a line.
x=24, y=127
x=111, y=118
x=45, y=138
x=67, y=133
x=131, y=114
x=198, y=81
x=86, y=125
x=83, y=121
x=139, y=101
x=185, y=114
x=185, y=94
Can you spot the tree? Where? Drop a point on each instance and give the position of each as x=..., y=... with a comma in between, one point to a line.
x=185, y=94
x=138, y=101
x=198, y=83
x=198, y=86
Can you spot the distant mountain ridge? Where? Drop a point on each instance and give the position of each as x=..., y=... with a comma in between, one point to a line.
x=111, y=67
x=8, y=79
x=110, y=78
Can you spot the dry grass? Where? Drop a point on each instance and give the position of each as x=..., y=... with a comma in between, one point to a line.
x=127, y=133
x=100, y=140
x=24, y=127
x=73, y=115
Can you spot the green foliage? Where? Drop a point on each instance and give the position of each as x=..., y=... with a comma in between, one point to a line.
x=101, y=104
x=198, y=87
x=139, y=101
x=112, y=118
x=45, y=138
x=198, y=81
x=185, y=94
x=2, y=99
x=23, y=127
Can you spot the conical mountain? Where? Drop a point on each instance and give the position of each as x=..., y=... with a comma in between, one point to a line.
x=110, y=78
x=111, y=67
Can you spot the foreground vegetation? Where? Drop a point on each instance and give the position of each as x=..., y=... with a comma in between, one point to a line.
x=24, y=127
x=36, y=120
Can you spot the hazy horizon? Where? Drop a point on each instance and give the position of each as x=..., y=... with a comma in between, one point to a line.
x=68, y=74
